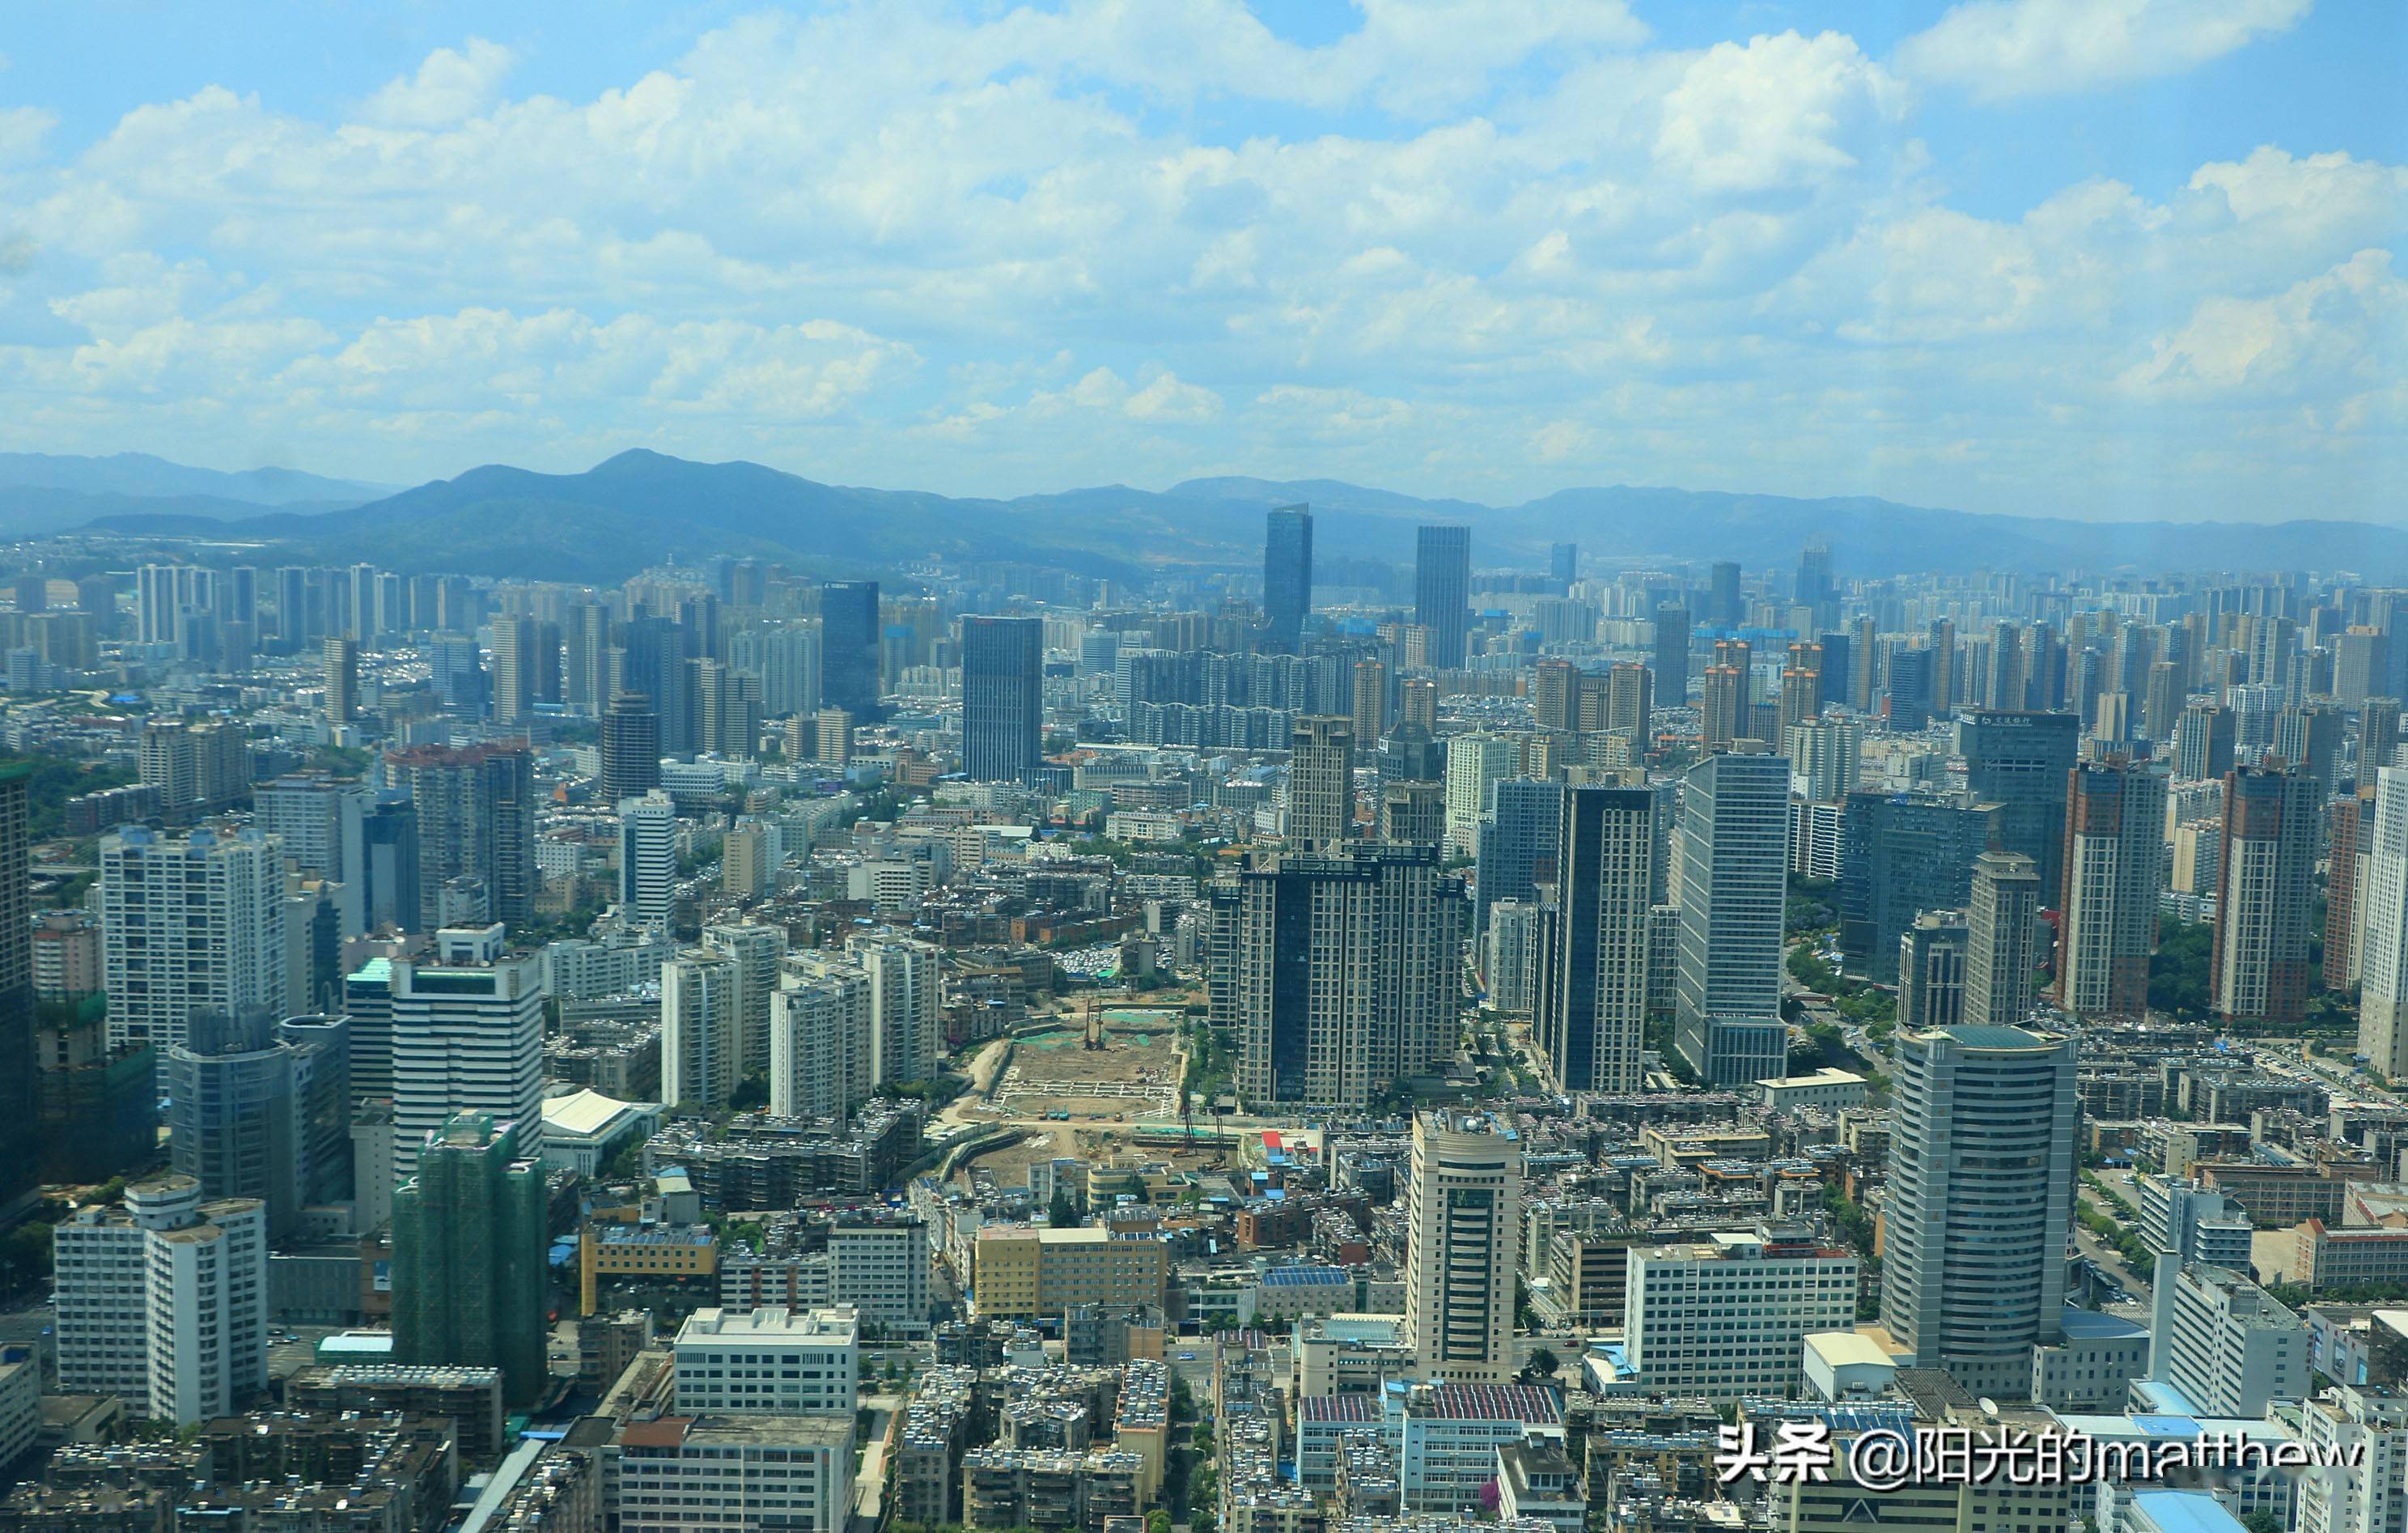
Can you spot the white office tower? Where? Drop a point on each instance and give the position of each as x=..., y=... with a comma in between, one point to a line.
x=2383, y=997
x=1981, y=1177
x=648, y=857
x=701, y=1041
x=772, y=1361
x=1734, y=836
x=163, y=1301
x=756, y=950
x=819, y=1038
x=1465, y=1211
x=1591, y=999
x=2001, y=957
x=467, y=1038
x=2365, y=1496
x=879, y=1267
x=905, y=1012
x=1511, y=962
x=1726, y=1317
x=2231, y=1348
x=189, y=924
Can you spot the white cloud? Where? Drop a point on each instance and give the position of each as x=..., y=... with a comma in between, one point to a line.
x=1779, y=111
x=2000, y=49
x=451, y=86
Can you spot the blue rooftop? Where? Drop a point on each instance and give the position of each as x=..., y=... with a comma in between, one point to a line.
x=2181, y=1512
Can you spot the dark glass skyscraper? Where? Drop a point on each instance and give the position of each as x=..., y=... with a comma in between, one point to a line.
x=1724, y=608
x=2020, y=761
x=849, y=647
x=1288, y=576
x=1003, y=696
x=631, y=749
x=1672, y=656
x=1442, y=591
x=1563, y=562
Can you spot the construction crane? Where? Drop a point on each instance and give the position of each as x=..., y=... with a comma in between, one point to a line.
x=1094, y=1040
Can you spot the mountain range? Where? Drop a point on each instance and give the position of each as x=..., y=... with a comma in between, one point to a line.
x=642, y=507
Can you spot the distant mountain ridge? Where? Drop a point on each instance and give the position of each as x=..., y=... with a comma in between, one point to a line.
x=141, y=474
x=642, y=507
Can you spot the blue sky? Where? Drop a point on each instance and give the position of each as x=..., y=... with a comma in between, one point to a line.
x=2107, y=258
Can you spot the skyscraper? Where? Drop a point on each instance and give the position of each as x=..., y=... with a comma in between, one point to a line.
x=631, y=748
x=756, y=948
x=2114, y=870
x=18, y=1081
x=1442, y=591
x=1369, y=703
x=2203, y=737
x=2383, y=1000
x=1563, y=563
x=1591, y=1001
x=468, y=1242
x=1672, y=656
x=702, y=1043
x=342, y=681
x=241, y=1094
x=1320, y=783
x=1723, y=607
x=2265, y=904
x=849, y=644
x=2000, y=963
x=1982, y=1177
x=1003, y=696
x=1475, y=764
x=190, y=925
x=1814, y=586
x=1518, y=843
x=467, y=1038
x=1463, y=1213
x=1734, y=835
x=648, y=857
x=906, y=1015
x=477, y=811
x=1901, y=854
x=1340, y=975
x=1931, y=971
x=517, y=668
x=2018, y=761
x=1287, y=577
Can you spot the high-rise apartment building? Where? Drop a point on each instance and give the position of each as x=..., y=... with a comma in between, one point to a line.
x=701, y=1031
x=2001, y=956
x=758, y=950
x=1442, y=591
x=2265, y=903
x=517, y=668
x=1734, y=842
x=648, y=857
x=820, y=1038
x=1475, y=764
x=1339, y=974
x=189, y=924
x=1320, y=783
x=1509, y=958
x=1003, y=696
x=2115, y=862
x=467, y=1038
x=1591, y=1000
x=1981, y=1177
x=2018, y=761
x=342, y=681
x=477, y=809
x=2204, y=742
x=468, y=1245
x=1287, y=577
x=1463, y=1218
x=162, y=1300
x=905, y=979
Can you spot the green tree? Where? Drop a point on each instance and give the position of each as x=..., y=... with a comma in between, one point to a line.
x=1060, y=1213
